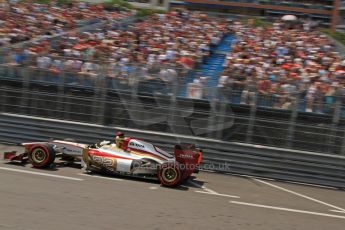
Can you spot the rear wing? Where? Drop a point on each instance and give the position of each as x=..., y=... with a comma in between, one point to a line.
x=188, y=153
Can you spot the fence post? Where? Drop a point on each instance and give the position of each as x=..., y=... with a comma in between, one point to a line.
x=135, y=81
x=102, y=91
x=61, y=93
x=3, y=95
x=100, y=95
x=172, y=108
x=25, y=92
x=253, y=107
x=213, y=112
x=223, y=101
x=335, y=121
x=292, y=122
x=342, y=151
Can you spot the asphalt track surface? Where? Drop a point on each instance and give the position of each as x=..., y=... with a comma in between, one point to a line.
x=64, y=198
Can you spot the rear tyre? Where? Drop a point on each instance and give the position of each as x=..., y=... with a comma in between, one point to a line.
x=169, y=174
x=42, y=156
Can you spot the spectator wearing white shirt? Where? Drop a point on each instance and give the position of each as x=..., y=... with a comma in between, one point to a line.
x=195, y=89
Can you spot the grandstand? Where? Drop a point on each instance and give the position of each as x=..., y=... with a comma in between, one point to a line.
x=195, y=50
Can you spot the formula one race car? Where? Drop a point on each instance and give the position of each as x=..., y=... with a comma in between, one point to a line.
x=135, y=158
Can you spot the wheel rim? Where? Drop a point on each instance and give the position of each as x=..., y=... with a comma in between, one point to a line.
x=169, y=174
x=39, y=155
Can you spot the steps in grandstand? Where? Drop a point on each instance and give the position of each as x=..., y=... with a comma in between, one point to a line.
x=213, y=65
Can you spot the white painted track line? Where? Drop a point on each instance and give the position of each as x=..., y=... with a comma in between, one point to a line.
x=209, y=191
x=300, y=195
x=218, y=194
x=102, y=177
x=337, y=211
x=289, y=182
x=202, y=187
x=287, y=209
x=153, y=187
x=41, y=174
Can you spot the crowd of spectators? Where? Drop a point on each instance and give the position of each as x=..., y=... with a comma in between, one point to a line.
x=283, y=66
x=280, y=66
x=156, y=46
x=25, y=20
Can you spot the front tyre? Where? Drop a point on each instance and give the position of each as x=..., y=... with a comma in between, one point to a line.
x=169, y=174
x=42, y=156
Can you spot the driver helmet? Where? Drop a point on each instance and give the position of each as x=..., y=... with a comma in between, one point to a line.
x=119, y=134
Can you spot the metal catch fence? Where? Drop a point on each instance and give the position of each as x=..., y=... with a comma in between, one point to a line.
x=153, y=104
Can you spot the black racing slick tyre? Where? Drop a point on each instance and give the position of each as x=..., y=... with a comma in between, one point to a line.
x=42, y=156
x=169, y=174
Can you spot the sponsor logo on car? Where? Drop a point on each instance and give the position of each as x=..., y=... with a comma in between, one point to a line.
x=186, y=156
x=72, y=150
x=133, y=144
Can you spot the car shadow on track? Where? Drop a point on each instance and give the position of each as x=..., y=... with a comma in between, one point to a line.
x=184, y=186
x=53, y=167
x=16, y=164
